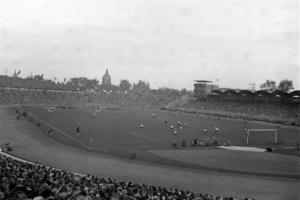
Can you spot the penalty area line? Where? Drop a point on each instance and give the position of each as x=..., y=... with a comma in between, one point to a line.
x=60, y=131
x=149, y=138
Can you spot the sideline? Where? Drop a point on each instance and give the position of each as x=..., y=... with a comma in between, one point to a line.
x=115, y=147
x=58, y=130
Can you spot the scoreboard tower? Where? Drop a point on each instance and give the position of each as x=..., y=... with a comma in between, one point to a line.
x=203, y=88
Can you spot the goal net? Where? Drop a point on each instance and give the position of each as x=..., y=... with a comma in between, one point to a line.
x=92, y=106
x=262, y=136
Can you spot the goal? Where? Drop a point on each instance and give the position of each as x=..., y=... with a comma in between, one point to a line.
x=262, y=136
x=92, y=106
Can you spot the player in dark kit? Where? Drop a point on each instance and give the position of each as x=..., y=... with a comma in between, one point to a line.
x=25, y=114
x=166, y=121
x=174, y=144
x=78, y=130
x=183, y=143
x=50, y=132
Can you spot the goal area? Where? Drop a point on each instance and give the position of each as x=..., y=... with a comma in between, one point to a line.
x=92, y=106
x=262, y=136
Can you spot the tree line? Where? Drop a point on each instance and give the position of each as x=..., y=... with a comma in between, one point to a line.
x=85, y=84
x=284, y=85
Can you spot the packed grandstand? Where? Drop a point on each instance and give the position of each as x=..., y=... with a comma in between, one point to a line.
x=17, y=91
x=31, y=181
x=23, y=180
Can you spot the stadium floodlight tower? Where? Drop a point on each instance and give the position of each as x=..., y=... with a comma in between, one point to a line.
x=202, y=88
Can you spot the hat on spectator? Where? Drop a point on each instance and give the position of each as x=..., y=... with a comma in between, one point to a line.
x=38, y=198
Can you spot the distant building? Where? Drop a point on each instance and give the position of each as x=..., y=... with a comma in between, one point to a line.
x=203, y=88
x=106, y=80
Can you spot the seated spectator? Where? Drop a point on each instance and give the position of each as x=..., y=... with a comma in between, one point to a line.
x=200, y=143
x=227, y=143
x=191, y=143
x=30, y=181
x=8, y=147
x=133, y=156
x=207, y=142
x=195, y=142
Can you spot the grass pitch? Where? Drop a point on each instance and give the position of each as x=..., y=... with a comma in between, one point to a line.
x=117, y=133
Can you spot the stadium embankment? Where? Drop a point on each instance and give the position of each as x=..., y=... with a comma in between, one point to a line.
x=178, y=102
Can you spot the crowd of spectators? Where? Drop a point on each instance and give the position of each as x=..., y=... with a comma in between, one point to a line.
x=198, y=143
x=23, y=180
x=145, y=100
x=275, y=112
x=31, y=83
x=38, y=97
x=18, y=91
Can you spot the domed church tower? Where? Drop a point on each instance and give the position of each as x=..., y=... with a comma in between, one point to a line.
x=106, y=80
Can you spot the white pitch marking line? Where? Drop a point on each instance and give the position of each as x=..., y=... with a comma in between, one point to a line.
x=288, y=147
x=120, y=147
x=59, y=131
x=149, y=138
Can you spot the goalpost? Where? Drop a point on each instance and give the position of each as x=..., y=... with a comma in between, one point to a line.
x=270, y=138
x=92, y=105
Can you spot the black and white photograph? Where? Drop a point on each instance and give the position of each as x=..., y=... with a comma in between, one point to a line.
x=149, y=100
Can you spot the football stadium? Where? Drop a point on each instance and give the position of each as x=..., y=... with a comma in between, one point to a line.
x=149, y=100
x=140, y=139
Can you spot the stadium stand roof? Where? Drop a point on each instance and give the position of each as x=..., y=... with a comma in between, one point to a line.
x=202, y=81
x=280, y=93
x=246, y=93
x=264, y=93
x=218, y=92
x=295, y=93
x=231, y=92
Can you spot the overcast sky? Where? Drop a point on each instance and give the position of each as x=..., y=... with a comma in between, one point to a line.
x=165, y=43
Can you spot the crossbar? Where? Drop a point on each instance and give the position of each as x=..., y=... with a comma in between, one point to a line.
x=266, y=130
